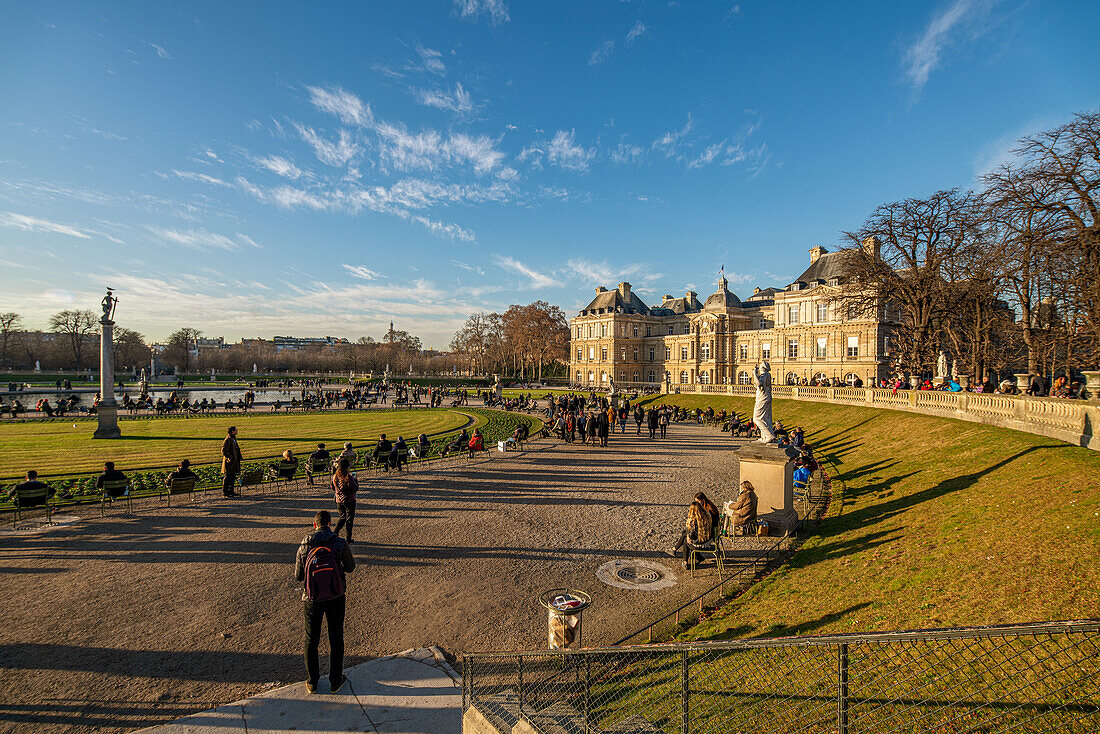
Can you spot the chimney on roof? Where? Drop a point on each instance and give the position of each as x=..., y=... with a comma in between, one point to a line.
x=872, y=246
x=665, y=299
x=755, y=291
x=690, y=295
x=816, y=253
x=624, y=291
x=601, y=289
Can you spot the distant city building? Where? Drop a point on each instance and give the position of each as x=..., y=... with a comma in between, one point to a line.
x=294, y=343
x=800, y=330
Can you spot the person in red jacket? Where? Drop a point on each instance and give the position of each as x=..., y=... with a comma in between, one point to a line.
x=476, y=443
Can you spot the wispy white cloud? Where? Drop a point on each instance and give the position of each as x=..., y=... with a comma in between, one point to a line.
x=496, y=10
x=431, y=60
x=331, y=152
x=445, y=229
x=627, y=153
x=343, y=104
x=537, y=279
x=466, y=266
x=361, y=272
x=34, y=224
x=200, y=177
x=955, y=23
x=671, y=139
x=279, y=166
x=200, y=239
x=595, y=273
x=457, y=101
x=636, y=32
x=562, y=151
x=601, y=53
x=159, y=49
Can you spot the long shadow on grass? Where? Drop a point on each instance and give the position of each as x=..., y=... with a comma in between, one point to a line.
x=876, y=513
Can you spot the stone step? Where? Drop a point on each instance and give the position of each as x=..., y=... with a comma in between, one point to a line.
x=500, y=708
x=557, y=718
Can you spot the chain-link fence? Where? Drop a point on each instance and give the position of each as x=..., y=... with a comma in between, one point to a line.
x=1030, y=678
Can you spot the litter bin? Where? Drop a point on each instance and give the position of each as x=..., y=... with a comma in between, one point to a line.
x=564, y=608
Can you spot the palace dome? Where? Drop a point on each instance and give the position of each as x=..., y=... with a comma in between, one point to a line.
x=722, y=298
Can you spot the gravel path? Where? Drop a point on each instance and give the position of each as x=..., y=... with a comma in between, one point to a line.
x=115, y=623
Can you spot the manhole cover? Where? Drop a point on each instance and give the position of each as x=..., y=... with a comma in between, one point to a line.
x=639, y=575
x=636, y=573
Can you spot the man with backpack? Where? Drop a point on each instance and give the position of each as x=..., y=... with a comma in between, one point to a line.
x=323, y=560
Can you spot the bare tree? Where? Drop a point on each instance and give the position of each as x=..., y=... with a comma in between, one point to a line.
x=130, y=348
x=75, y=326
x=180, y=344
x=1058, y=173
x=10, y=324
x=902, y=258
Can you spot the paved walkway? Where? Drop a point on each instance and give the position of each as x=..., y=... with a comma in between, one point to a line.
x=414, y=691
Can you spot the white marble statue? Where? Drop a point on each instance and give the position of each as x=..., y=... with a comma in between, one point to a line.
x=762, y=411
x=941, y=364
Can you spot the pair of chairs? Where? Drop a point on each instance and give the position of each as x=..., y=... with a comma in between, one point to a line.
x=714, y=549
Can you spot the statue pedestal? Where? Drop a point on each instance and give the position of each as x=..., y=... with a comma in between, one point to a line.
x=770, y=469
x=107, y=415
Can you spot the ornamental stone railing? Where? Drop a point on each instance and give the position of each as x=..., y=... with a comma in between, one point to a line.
x=1072, y=421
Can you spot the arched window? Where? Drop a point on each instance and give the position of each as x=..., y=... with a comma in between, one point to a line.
x=636, y=376
x=743, y=378
x=622, y=377
x=792, y=378
x=578, y=375
x=821, y=378
x=591, y=376
x=652, y=376
x=683, y=377
x=850, y=378
x=603, y=376
x=704, y=377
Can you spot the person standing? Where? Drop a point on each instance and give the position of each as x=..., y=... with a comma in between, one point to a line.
x=231, y=461
x=662, y=420
x=344, y=487
x=322, y=562
x=651, y=422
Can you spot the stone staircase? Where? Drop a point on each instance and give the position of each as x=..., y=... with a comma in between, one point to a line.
x=499, y=713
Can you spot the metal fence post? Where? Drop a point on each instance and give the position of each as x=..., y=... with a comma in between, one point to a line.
x=842, y=690
x=587, y=693
x=519, y=682
x=684, y=692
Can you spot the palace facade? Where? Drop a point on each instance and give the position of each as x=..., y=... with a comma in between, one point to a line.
x=801, y=330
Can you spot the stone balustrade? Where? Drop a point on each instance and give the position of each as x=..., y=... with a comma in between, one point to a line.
x=1073, y=421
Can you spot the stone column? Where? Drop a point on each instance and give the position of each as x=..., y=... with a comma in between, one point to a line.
x=1092, y=384
x=107, y=411
x=770, y=469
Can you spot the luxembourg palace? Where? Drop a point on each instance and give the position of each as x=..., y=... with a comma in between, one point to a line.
x=798, y=329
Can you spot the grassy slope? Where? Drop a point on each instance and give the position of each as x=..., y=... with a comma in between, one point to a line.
x=942, y=523
x=54, y=447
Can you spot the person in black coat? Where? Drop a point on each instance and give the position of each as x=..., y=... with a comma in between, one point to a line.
x=382, y=452
x=651, y=422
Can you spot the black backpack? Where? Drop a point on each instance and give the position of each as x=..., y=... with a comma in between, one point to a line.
x=324, y=574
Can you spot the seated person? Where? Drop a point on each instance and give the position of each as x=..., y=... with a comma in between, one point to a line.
x=382, y=451
x=461, y=442
x=288, y=458
x=698, y=531
x=476, y=444
x=742, y=513
x=399, y=454
x=31, y=486
x=318, y=458
x=801, y=476
x=515, y=438
x=182, y=471
x=111, y=474
x=780, y=432
x=423, y=446
x=348, y=454
x=796, y=437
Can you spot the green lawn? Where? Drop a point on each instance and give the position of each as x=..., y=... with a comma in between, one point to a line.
x=940, y=523
x=56, y=447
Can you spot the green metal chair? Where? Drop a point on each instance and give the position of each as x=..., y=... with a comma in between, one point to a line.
x=317, y=466
x=253, y=477
x=180, y=485
x=284, y=472
x=24, y=499
x=115, y=489
x=713, y=549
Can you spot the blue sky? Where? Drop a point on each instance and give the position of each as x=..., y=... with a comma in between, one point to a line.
x=253, y=169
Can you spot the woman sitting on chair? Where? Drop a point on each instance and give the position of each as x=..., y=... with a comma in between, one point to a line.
x=698, y=531
x=743, y=511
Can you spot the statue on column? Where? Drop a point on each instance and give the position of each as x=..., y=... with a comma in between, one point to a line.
x=762, y=410
x=108, y=305
x=941, y=364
